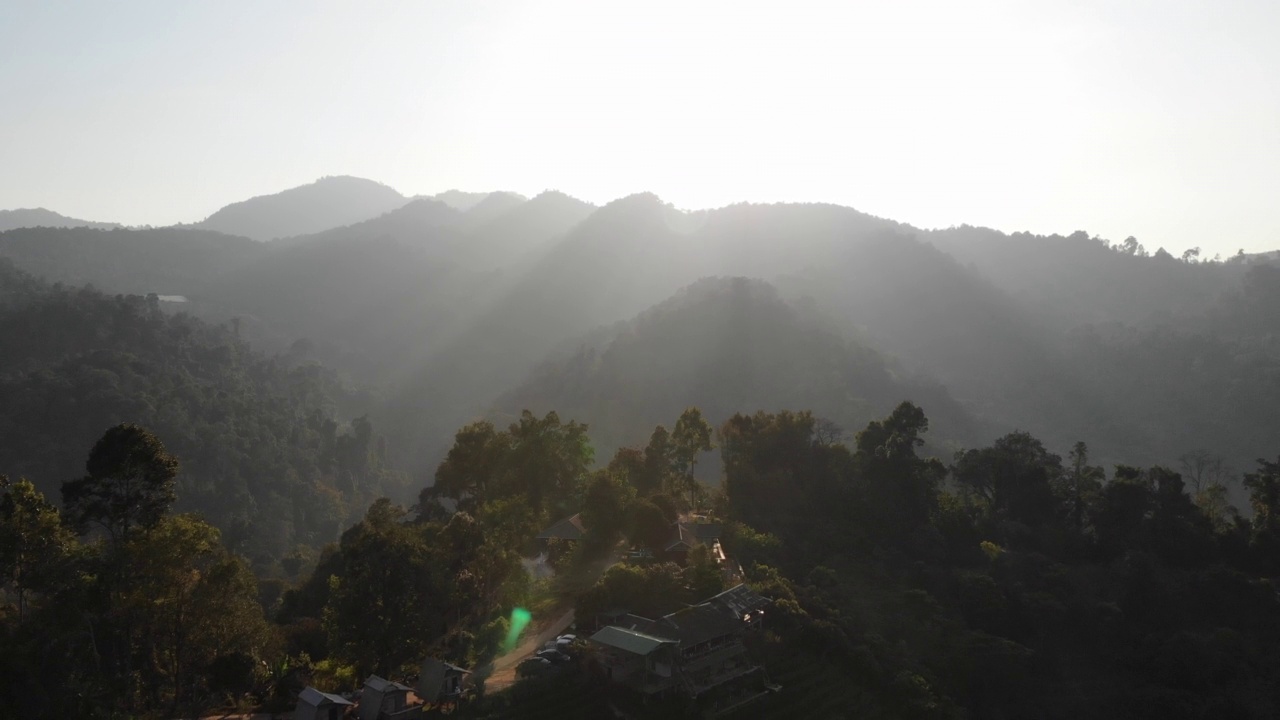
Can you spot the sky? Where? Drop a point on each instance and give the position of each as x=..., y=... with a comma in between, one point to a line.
x=1159, y=120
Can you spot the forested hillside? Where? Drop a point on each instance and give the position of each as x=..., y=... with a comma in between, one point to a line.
x=39, y=217
x=269, y=456
x=727, y=345
x=446, y=309
x=1013, y=358
x=166, y=261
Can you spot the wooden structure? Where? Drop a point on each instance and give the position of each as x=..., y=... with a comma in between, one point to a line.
x=386, y=700
x=700, y=652
x=569, y=529
x=316, y=705
x=440, y=682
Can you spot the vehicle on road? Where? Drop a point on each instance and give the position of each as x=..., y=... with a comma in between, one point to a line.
x=534, y=667
x=554, y=656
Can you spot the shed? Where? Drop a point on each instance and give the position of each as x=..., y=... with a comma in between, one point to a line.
x=440, y=681
x=316, y=705
x=386, y=700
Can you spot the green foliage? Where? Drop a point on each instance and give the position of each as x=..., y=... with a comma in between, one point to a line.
x=750, y=547
x=1264, y=496
x=702, y=573
x=1014, y=479
x=386, y=596
x=263, y=457
x=604, y=508
x=691, y=437
x=161, y=616
x=647, y=525
x=35, y=547
x=649, y=590
x=541, y=461
x=130, y=484
x=1032, y=582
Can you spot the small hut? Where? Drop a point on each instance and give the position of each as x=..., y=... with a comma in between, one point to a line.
x=386, y=700
x=440, y=682
x=316, y=705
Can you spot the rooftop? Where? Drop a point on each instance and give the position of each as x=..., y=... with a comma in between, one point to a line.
x=697, y=624
x=315, y=698
x=631, y=641
x=381, y=685
x=693, y=534
x=740, y=600
x=570, y=528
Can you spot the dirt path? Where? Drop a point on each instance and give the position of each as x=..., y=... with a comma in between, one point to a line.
x=504, y=668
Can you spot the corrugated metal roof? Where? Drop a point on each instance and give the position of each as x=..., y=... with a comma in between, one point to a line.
x=378, y=684
x=697, y=624
x=629, y=640
x=315, y=698
x=740, y=600
x=570, y=528
x=693, y=534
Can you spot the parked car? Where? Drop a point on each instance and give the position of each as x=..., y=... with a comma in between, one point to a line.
x=555, y=656
x=533, y=667
x=561, y=643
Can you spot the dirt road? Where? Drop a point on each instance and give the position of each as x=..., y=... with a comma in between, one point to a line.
x=504, y=668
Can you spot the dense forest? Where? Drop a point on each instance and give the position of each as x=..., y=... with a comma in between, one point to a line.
x=317, y=436
x=265, y=458
x=1007, y=582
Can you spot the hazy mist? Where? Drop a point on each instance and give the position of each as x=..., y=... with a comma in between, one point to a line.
x=583, y=360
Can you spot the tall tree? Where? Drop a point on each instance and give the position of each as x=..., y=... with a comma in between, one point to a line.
x=691, y=437
x=1203, y=469
x=1015, y=476
x=1084, y=482
x=33, y=542
x=130, y=484
x=191, y=602
x=385, y=604
x=659, y=461
x=604, y=506
x=542, y=460
x=901, y=487
x=1264, y=495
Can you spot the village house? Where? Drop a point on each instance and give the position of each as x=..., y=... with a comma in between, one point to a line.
x=316, y=705
x=440, y=682
x=688, y=535
x=569, y=529
x=699, y=652
x=643, y=661
x=386, y=700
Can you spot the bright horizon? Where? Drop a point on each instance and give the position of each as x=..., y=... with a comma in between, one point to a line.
x=1152, y=120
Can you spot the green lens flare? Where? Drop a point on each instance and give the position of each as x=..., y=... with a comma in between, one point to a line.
x=519, y=619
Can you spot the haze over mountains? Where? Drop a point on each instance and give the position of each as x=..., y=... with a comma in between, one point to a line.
x=470, y=303
x=914, y=431
x=326, y=203
x=39, y=217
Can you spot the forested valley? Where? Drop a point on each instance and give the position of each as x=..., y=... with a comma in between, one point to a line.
x=323, y=435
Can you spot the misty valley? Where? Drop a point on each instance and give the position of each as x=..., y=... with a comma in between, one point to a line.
x=342, y=452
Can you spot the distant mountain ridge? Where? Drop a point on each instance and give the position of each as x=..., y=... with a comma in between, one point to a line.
x=326, y=203
x=1064, y=337
x=460, y=200
x=40, y=217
